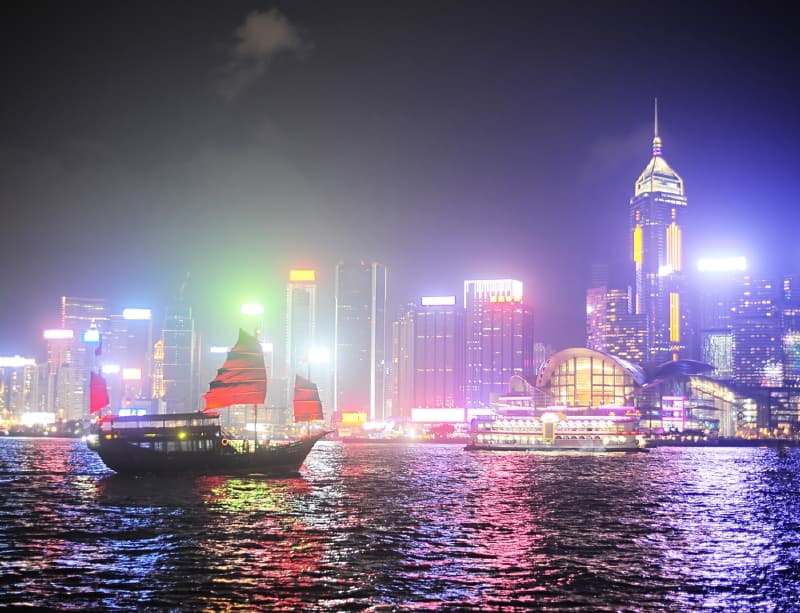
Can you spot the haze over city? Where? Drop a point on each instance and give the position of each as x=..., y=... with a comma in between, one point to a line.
x=448, y=141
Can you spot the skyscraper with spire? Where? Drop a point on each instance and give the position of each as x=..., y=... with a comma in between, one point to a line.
x=656, y=224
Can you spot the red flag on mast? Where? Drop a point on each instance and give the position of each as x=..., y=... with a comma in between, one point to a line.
x=98, y=393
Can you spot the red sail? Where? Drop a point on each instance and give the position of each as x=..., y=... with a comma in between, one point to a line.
x=242, y=378
x=98, y=393
x=307, y=405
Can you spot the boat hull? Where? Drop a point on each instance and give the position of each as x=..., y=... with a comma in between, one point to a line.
x=128, y=458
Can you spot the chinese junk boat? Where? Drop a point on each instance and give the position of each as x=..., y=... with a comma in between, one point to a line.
x=196, y=442
x=558, y=429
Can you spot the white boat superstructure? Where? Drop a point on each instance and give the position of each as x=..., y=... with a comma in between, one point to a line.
x=600, y=429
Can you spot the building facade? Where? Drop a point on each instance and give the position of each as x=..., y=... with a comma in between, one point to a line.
x=582, y=377
x=439, y=353
x=611, y=327
x=756, y=322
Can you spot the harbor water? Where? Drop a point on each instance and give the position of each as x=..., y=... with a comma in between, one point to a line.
x=397, y=527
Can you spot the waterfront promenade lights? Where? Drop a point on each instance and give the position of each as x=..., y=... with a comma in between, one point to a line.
x=255, y=311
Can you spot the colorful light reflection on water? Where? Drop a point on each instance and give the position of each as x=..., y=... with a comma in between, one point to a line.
x=385, y=527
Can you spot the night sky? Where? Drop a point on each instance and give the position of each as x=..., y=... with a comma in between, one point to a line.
x=448, y=140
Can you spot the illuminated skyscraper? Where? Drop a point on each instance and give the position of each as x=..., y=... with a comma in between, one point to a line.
x=301, y=323
x=439, y=361
x=596, y=317
x=159, y=390
x=360, y=362
x=19, y=389
x=87, y=319
x=78, y=314
x=790, y=319
x=756, y=322
x=402, y=371
x=180, y=366
x=656, y=221
x=57, y=369
x=499, y=338
x=128, y=348
x=429, y=356
x=717, y=282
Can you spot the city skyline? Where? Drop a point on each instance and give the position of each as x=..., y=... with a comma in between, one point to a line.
x=447, y=142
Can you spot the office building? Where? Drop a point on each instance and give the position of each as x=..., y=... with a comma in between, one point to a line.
x=429, y=357
x=180, y=363
x=790, y=329
x=402, y=370
x=439, y=353
x=127, y=358
x=301, y=325
x=19, y=391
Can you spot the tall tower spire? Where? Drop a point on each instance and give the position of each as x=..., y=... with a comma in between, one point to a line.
x=656, y=221
x=656, y=137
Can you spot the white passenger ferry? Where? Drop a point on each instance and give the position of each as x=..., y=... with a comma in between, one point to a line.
x=559, y=429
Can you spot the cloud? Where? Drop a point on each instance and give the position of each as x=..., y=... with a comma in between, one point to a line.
x=617, y=155
x=261, y=38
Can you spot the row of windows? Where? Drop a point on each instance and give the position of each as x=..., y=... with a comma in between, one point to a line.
x=590, y=381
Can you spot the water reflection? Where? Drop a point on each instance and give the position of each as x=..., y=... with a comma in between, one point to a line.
x=374, y=527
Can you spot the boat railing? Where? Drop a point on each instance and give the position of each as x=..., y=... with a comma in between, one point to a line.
x=245, y=445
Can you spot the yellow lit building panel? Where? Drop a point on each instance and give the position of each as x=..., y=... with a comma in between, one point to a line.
x=302, y=275
x=674, y=246
x=674, y=317
x=637, y=244
x=353, y=418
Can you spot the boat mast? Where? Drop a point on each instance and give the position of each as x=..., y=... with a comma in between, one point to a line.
x=255, y=408
x=308, y=421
